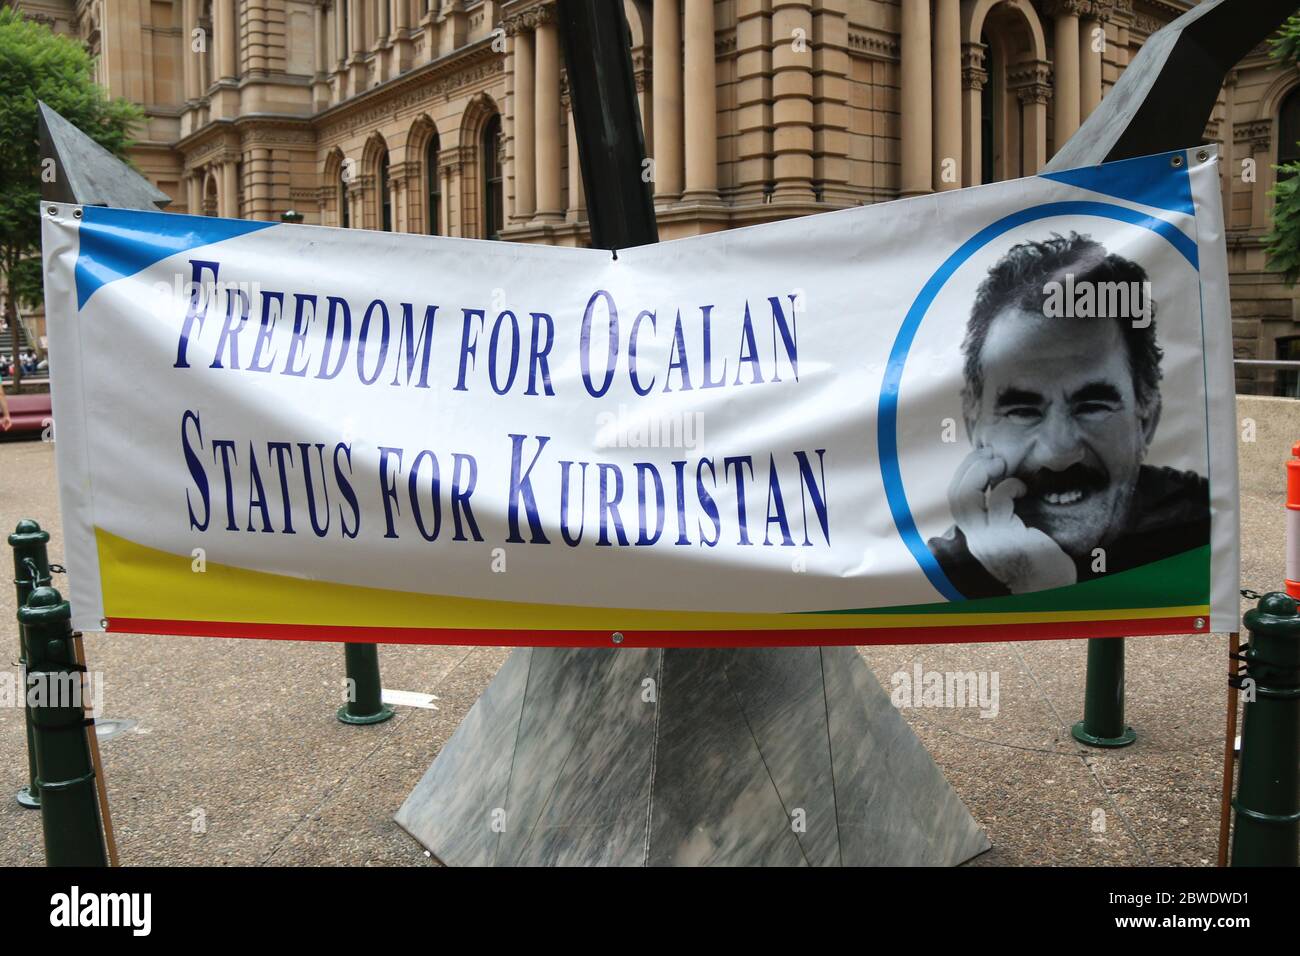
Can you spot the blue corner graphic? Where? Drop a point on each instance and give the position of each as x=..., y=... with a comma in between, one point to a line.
x=116, y=243
x=1150, y=180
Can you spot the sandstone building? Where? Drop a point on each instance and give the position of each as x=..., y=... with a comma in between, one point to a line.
x=452, y=116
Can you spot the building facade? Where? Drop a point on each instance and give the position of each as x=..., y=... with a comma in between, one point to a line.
x=452, y=116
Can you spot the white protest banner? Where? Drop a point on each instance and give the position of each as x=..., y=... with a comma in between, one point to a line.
x=996, y=413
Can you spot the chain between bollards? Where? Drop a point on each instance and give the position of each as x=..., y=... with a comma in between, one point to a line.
x=1103, y=699
x=65, y=771
x=1266, y=831
x=365, y=703
x=31, y=570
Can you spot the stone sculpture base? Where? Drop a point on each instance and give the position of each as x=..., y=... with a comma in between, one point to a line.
x=687, y=757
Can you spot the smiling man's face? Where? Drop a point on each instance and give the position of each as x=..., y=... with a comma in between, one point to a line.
x=1059, y=406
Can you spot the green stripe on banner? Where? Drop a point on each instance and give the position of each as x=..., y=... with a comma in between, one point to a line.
x=1179, y=581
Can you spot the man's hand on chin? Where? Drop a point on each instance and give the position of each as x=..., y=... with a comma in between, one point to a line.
x=983, y=503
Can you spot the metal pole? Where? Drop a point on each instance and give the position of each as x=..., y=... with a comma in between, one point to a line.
x=365, y=703
x=1162, y=102
x=1267, y=827
x=607, y=123
x=1103, y=698
x=31, y=570
x=69, y=808
x=1293, y=523
x=1229, y=749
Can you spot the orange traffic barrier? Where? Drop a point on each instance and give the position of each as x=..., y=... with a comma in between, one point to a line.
x=1293, y=523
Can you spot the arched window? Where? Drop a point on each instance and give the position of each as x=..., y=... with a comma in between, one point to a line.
x=1288, y=130
x=345, y=210
x=433, y=182
x=493, y=194
x=385, y=195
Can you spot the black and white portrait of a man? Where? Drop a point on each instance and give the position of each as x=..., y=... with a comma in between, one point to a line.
x=1061, y=401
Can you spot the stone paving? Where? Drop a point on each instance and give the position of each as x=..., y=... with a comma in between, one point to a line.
x=235, y=756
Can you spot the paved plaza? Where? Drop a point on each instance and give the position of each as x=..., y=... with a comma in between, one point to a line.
x=232, y=754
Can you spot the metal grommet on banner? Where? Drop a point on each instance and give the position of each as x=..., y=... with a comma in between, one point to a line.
x=617, y=637
x=1202, y=155
x=1200, y=623
x=76, y=214
x=1176, y=161
x=103, y=622
x=52, y=210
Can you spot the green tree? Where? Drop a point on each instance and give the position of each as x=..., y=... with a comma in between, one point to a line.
x=1283, y=239
x=38, y=64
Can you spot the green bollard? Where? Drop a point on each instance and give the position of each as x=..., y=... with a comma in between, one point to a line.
x=69, y=804
x=1103, y=697
x=1266, y=828
x=365, y=694
x=28, y=542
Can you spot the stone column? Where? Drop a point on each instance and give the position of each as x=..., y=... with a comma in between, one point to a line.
x=525, y=128
x=1033, y=127
x=226, y=27
x=1065, y=105
x=356, y=199
x=340, y=34
x=356, y=46
x=453, y=26
x=792, y=112
x=204, y=68
x=1231, y=169
x=190, y=61
x=947, y=95
x=701, y=110
x=917, y=130
x=546, y=90
x=973, y=78
x=1092, y=41
x=450, y=213
x=379, y=43
x=1256, y=137
x=402, y=54
x=832, y=69
x=228, y=205
x=194, y=194
x=577, y=210
x=753, y=150
x=667, y=98
x=320, y=77
x=261, y=201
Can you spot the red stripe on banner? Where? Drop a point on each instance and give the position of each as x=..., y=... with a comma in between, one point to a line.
x=958, y=634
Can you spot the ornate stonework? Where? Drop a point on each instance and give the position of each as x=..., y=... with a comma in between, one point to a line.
x=973, y=74
x=1259, y=133
x=526, y=20
x=1031, y=81
x=879, y=45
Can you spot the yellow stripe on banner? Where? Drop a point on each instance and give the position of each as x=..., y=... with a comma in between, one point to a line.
x=142, y=582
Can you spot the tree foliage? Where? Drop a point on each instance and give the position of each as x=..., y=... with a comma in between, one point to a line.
x=1283, y=239
x=38, y=64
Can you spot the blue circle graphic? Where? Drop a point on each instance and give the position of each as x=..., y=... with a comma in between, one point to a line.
x=887, y=414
